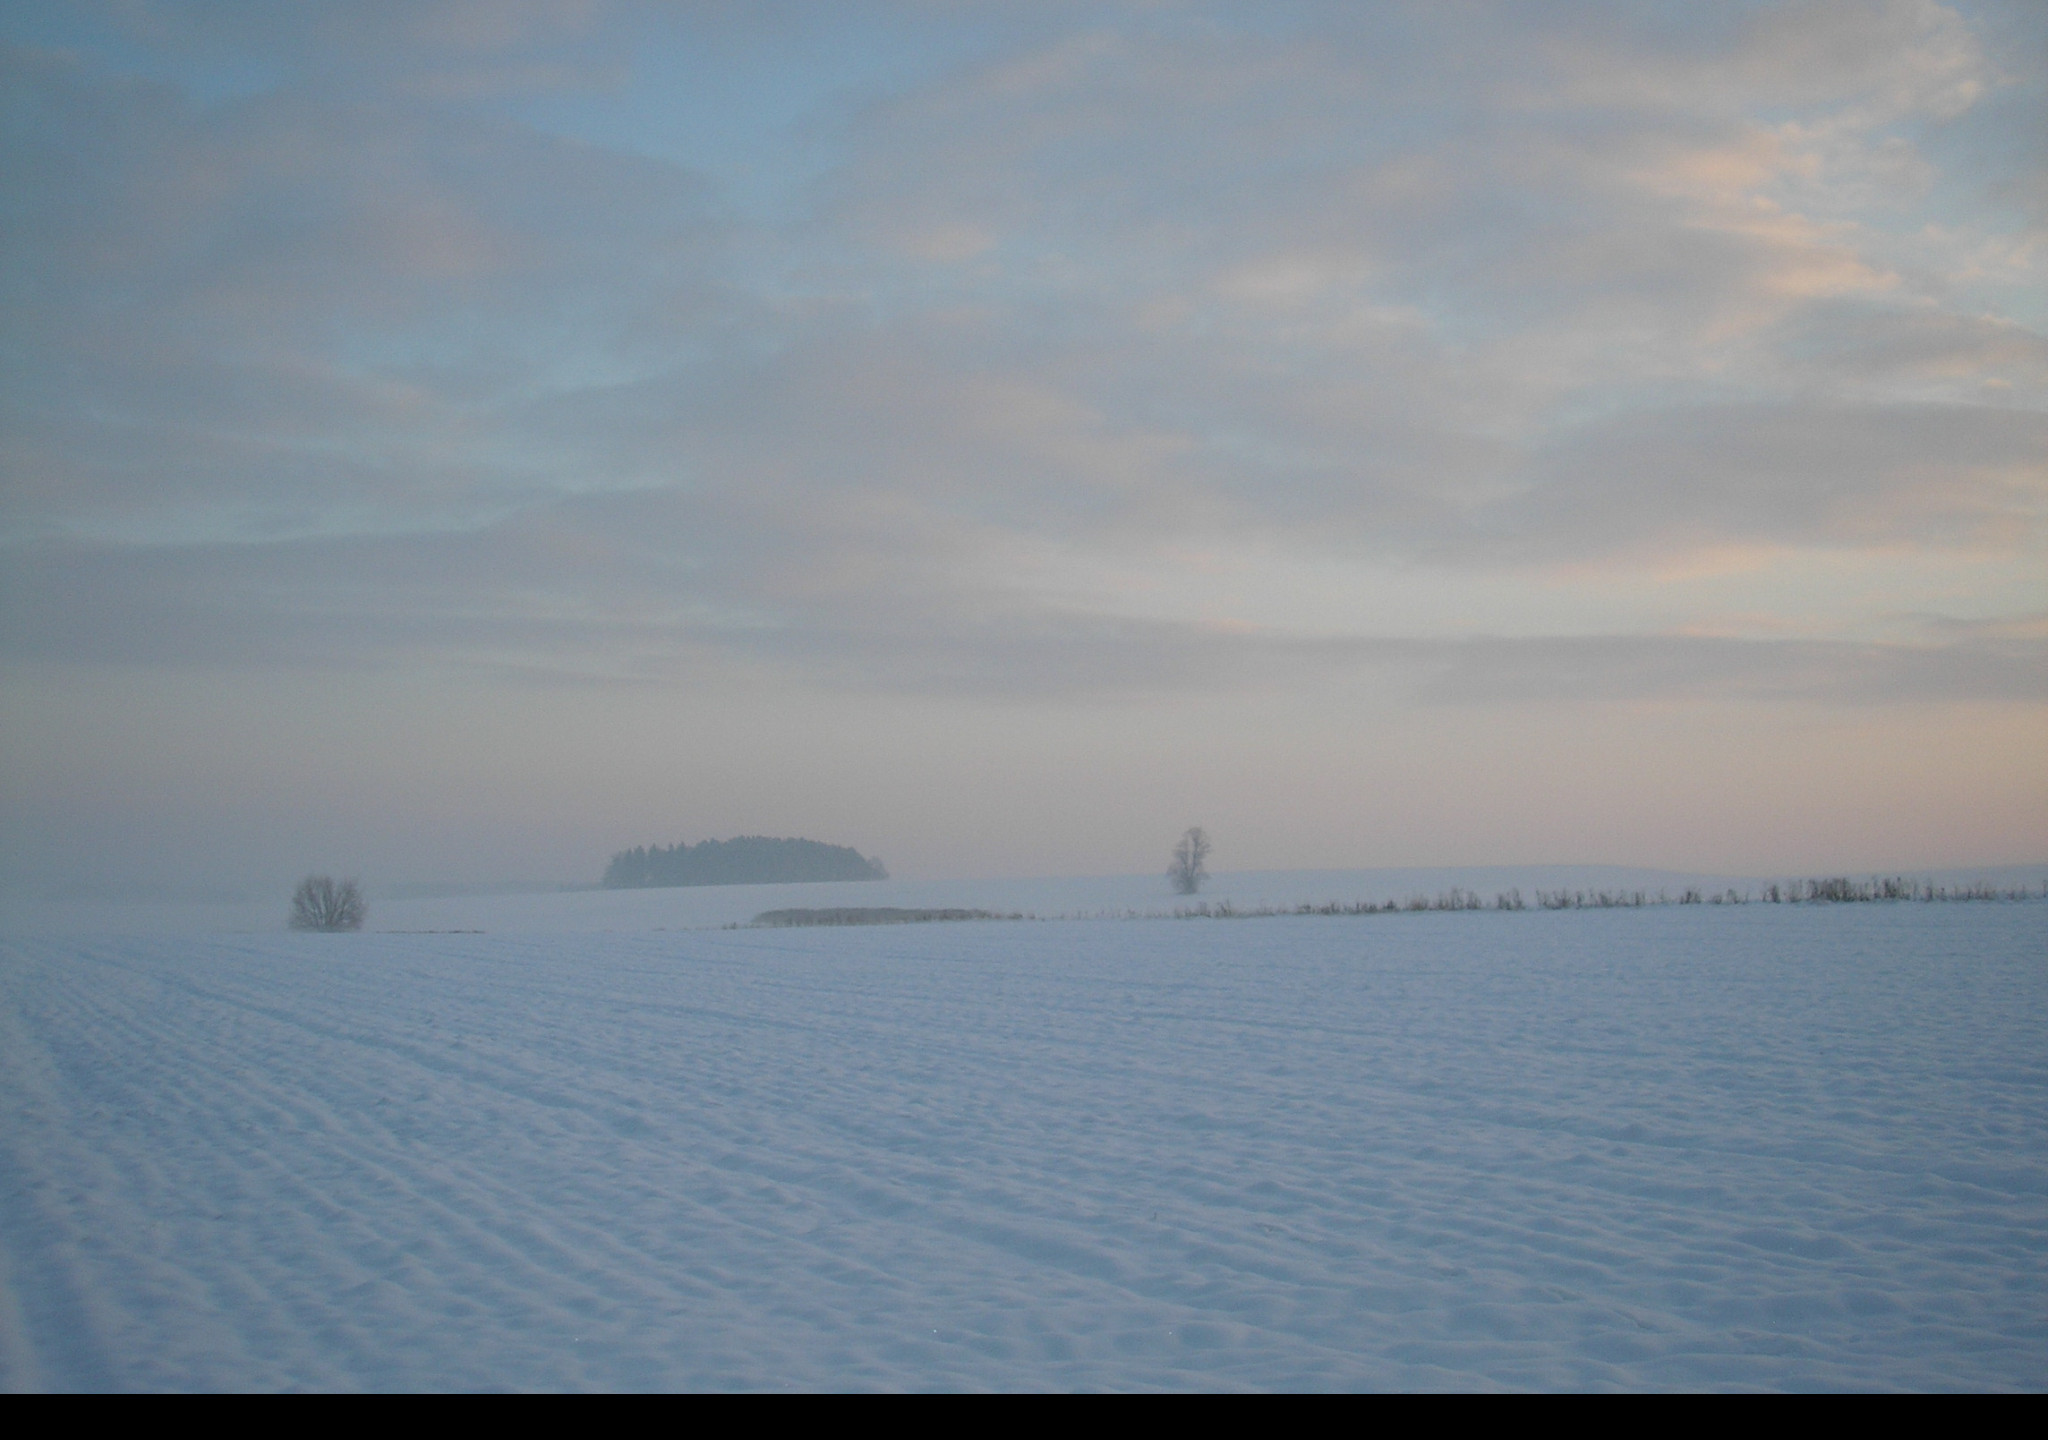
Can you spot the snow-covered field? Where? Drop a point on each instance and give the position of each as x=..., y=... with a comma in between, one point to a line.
x=1764, y=1146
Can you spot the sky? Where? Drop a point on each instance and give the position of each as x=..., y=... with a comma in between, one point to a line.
x=453, y=441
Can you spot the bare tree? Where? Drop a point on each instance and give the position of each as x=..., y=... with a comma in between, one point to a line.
x=322, y=903
x=1187, y=872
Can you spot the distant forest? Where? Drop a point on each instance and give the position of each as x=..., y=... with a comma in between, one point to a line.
x=748, y=860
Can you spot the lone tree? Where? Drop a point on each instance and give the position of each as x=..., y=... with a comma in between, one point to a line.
x=1187, y=872
x=322, y=903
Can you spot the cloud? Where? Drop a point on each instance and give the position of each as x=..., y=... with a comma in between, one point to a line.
x=1581, y=668
x=467, y=49
x=1881, y=59
x=657, y=588
x=1666, y=483
x=347, y=371
x=1920, y=352
x=295, y=311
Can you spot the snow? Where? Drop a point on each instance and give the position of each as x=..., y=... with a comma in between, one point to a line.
x=1698, y=1147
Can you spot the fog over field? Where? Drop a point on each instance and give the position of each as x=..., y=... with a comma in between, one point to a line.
x=455, y=442
x=612, y=613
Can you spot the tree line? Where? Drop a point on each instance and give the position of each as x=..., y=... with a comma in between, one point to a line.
x=745, y=860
